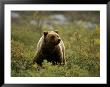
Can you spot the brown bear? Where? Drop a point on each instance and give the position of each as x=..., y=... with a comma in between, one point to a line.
x=50, y=47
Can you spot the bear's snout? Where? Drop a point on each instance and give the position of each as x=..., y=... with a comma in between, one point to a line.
x=59, y=40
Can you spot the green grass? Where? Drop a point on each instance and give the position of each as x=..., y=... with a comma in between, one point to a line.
x=82, y=52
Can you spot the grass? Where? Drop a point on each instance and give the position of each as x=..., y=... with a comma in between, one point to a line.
x=82, y=52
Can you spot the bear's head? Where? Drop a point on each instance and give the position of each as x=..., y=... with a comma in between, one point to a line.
x=52, y=38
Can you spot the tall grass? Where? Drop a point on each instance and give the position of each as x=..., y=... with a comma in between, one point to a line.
x=82, y=52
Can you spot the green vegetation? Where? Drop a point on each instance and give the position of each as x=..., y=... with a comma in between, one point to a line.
x=82, y=49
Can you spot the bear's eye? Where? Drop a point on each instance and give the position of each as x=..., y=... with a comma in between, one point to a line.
x=57, y=36
x=52, y=37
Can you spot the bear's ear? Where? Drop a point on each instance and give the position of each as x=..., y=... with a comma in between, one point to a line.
x=56, y=31
x=45, y=33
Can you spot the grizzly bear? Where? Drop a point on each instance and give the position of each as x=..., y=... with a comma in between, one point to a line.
x=50, y=47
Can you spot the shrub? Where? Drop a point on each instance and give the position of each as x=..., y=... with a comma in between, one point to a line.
x=82, y=52
x=18, y=59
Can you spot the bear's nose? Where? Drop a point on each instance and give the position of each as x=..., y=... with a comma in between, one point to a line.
x=59, y=40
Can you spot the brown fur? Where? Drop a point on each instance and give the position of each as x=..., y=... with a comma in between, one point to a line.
x=50, y=47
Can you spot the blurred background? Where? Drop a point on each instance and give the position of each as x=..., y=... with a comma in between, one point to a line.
x=80, y=31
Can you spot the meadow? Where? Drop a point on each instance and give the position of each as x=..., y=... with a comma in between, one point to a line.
x=82, y=45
